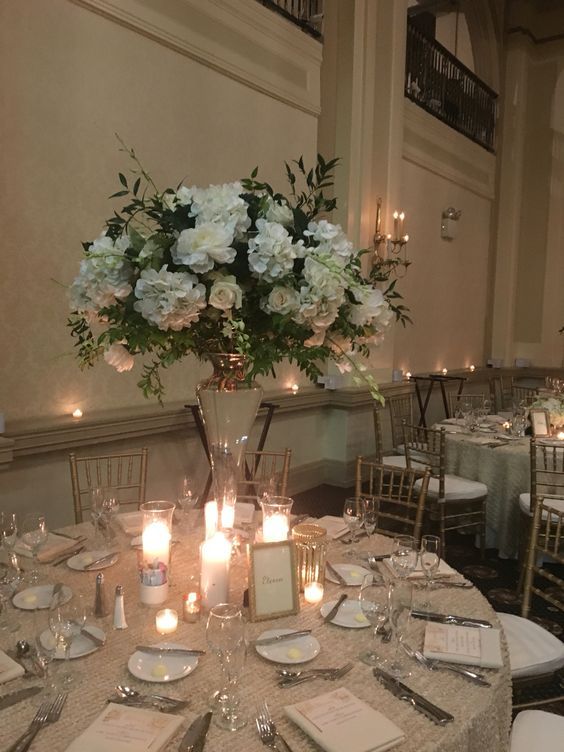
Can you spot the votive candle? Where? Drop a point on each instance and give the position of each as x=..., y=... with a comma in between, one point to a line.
x=166, y=621
x=191, y=606
x=444, y=371
x=313, y=592
x=560, y=435
x=275, y=528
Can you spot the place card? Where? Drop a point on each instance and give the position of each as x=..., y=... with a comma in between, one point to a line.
x=475, y=647
x=120, y=728
x=340, y=722
x=9, y=669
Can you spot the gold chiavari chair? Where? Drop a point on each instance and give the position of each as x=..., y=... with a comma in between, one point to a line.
x=498, y=396
x=395, y=460
x=523, y=395
x=126, y=473
x=460, y=503
x=264, y=472
x=462, y=401
x=400, y=407
x=399, y=495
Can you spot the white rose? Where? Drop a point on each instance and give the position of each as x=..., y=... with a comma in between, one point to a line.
x=117, y=356
x=203, y=246
x=282, y=300
x=372, y=305
x=278, y=212
x=169, y=201
x=221, y=204
x=225, y=293
x=184, y=196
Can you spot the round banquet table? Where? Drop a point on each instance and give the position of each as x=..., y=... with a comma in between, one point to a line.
x=482, y=714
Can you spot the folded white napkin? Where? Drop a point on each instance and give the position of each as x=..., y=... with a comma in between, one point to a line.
x=335, y=526
x=472, y=646
x=9, y=669
x=54, y=546
x=444, y=570
x=131, y=522
x=340, y=722
x=120, y=728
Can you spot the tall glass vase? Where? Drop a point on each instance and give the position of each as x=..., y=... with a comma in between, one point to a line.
x=228, y=403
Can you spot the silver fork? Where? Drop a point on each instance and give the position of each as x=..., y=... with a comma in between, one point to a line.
x=267, y=728
x=336, y=674
x=435, y=665
x=48, y=712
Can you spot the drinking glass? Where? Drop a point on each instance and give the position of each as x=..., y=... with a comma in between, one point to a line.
x=353, y=515
x=400, y=596
x=104, y=504
x=370, y=516
x=44, y=650
x=430, y=556
x=186, y=501
x=66, y=623
x=34, y=535
x=225, y=634
x=9, y=535
x=374, y=605
x=404, y=556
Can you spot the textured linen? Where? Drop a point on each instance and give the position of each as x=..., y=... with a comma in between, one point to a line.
x=482, y=714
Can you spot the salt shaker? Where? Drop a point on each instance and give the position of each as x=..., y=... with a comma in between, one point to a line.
x=119, y=609
x=100, y=605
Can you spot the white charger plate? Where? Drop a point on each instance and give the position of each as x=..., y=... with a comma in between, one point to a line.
x=300, y=650
x=80, y=646
x=39, y=596
x=352, y=573
x=85, y=558
x=161, y=669
x=349, y=615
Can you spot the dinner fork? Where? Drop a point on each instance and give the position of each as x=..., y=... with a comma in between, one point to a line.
x=332, y=676
x=48, y=712
x=267, y=728
x=436, y=665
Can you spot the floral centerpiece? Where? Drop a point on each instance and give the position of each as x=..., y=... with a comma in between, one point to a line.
x=555, y=407
x=228, y=268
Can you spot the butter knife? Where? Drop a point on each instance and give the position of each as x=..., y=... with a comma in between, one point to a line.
x=92, y=637
x=334, y=611
x=14, y=697
x=195, y=738
x=282, y=637
x=152, y=650
x=339, y=577
x=101, y=560
x=461, y=621
x=420, y=703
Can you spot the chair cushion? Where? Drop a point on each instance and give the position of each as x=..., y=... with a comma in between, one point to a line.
x=537, y=729
x=396, y=460
x=457, y=488
x=525, y=504
x=533, y=650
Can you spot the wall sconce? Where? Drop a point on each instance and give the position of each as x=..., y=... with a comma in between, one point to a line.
x=389, y=250
x=449, y=223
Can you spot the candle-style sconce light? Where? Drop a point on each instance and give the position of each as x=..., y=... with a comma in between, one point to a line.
x=449, y=223
x=390, y=248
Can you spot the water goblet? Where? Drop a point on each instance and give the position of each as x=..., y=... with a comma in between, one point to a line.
x=404, y=556
x=66, y=623
x=353, y=515
x=430, y=557
x=374, y=605
x=225, y=634
x=34, y=535
x=370, y=516
x=9, y=535
x=400, y=597
x=104, y=505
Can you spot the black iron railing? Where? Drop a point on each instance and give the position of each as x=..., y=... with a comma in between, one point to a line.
x=442, y=85
x=307, y=14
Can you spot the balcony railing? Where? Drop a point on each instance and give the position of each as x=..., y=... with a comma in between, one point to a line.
x=439, y=83
x=307, y=14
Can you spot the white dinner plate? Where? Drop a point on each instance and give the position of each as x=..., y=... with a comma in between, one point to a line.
x=349, y=615
x=39, y=596
x=352, y=573
x=85, y=558
x=80, y=645
x=300, y=650
x=162, y=668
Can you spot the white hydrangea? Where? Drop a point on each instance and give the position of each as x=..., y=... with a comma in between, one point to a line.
x=221, y=204
x=331, y=241
x=316, y=314
x=104, y=276
x=203, y=246
x=278, y=212
x=117, y=356
x=171, y=300
x=324, y=279
x=281, y=300
x=272, y=252
x=372, y=308
x=225, y=293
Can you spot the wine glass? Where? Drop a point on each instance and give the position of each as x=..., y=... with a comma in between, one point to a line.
x=430, y=556
x=352, y=515
x=400, y=596
x=9, y=535
x=66, y=623
x=404, y=556
x=374, y=606
x=44, y=650
x=186, y=501
x=225, y=634
x=104, y=504
x=34, y=535
x=370, y=516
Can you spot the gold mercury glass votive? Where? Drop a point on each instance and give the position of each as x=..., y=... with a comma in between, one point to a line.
x=311, y=549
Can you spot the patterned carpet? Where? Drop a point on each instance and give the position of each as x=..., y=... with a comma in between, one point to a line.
x=496, y=578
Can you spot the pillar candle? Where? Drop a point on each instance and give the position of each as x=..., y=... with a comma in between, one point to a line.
x=214, y=579
x=228, y=514
x=211, y=518
x=156, y=544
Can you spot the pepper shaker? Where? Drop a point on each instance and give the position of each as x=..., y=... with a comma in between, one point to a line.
x=119, y=609
x=100, y=605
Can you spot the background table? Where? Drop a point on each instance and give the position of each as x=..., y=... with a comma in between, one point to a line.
x=482, y=715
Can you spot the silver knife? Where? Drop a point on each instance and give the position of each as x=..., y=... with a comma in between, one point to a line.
x=101, y=560
x=461, y=621
x=331, y=615
x=420, y=703
x=282, y=637
x=339, y=577
x=195, y=738
x=152, y=650
x=92, y=637
x=55, y=595
x=68, y=555
x=14, y=697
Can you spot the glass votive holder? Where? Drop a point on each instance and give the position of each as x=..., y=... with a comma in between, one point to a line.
x=275, y=518
x=311, y=549
x=166, y=621
x=313, y=592
x=191, y=601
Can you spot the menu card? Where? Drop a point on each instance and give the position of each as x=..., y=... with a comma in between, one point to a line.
x=340, y=722
x=335, y=526
x=9, y=669
x=120, y=728
x=470, y=645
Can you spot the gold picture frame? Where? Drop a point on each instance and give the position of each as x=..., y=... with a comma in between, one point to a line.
x=273, y=580
x=540, y=422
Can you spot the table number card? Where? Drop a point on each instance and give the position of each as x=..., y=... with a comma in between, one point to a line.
x=470, y=645
x=273, y=580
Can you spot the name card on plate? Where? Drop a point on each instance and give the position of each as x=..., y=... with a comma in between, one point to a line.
x=475, y=647
x=273, y=580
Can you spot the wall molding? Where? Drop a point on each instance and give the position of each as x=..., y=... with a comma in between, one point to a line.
x=240, y=39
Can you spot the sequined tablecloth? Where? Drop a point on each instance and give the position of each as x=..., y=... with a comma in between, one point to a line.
x=482, y=715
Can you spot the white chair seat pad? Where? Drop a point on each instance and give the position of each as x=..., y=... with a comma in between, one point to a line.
x=457, y=488
x=533, y=650
x=525, y=504
x=396, y=460
x=537, y=729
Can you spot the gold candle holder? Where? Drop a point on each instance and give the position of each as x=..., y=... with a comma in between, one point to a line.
x=311, y=548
